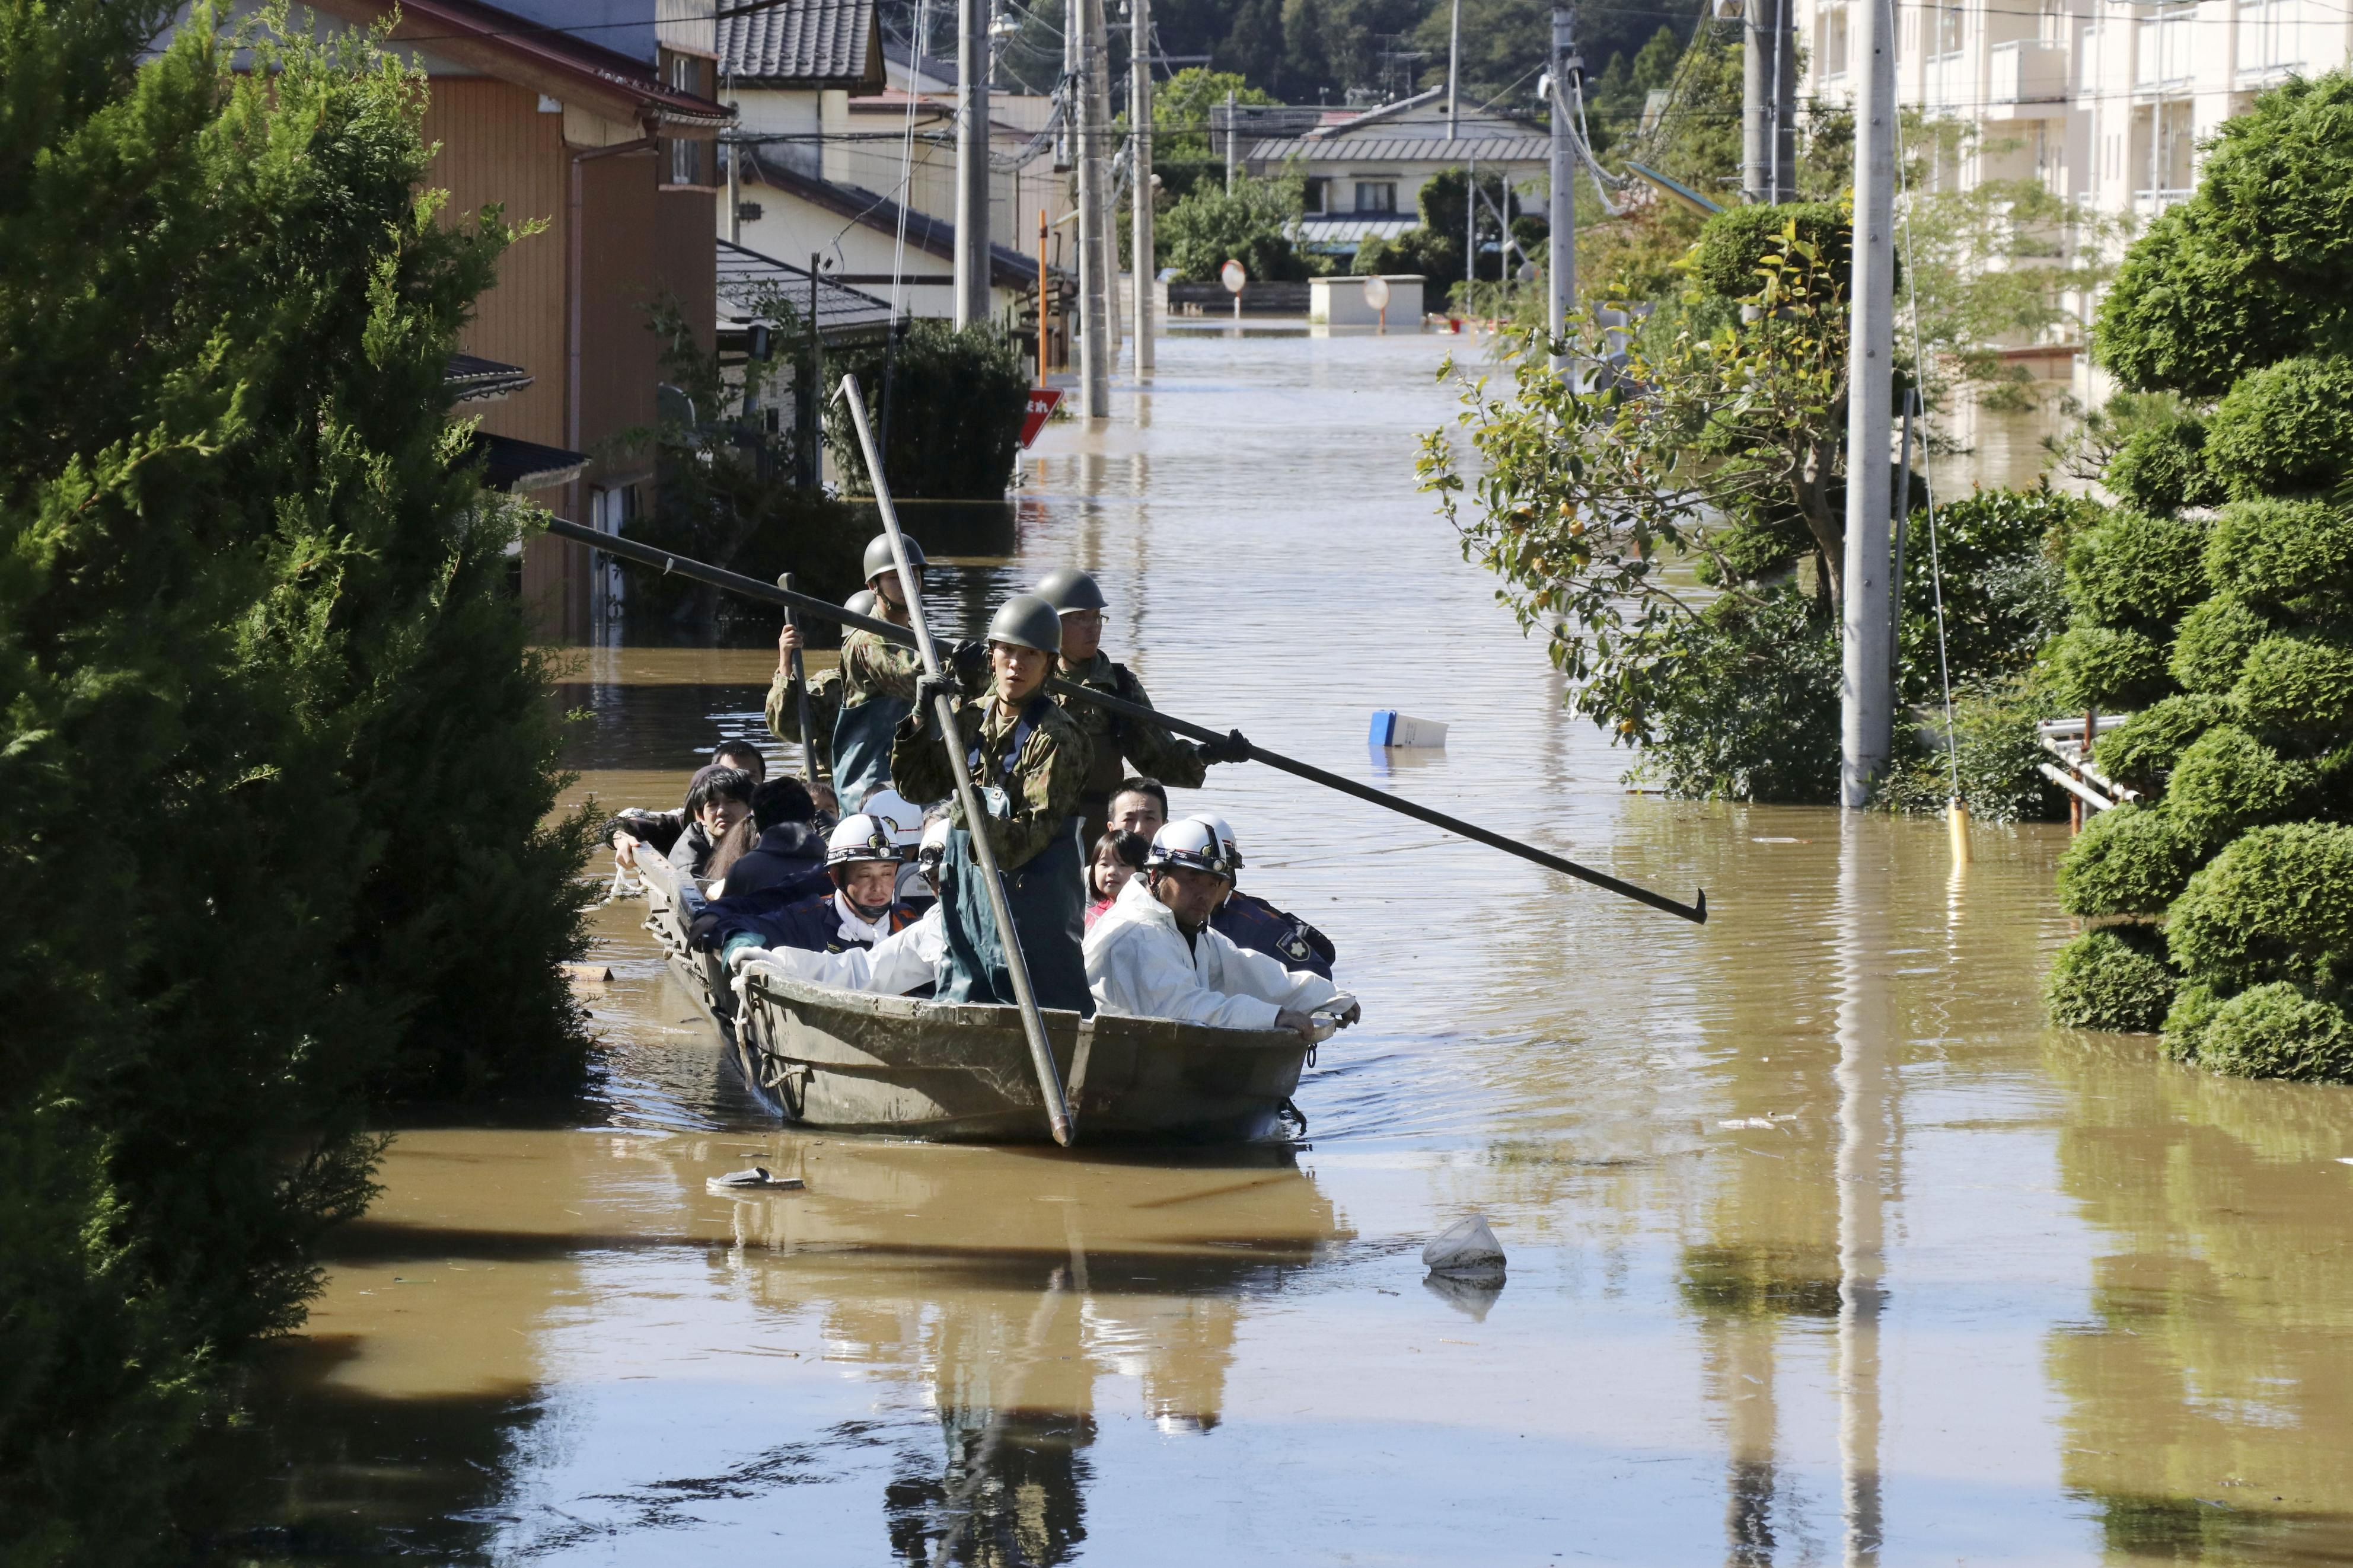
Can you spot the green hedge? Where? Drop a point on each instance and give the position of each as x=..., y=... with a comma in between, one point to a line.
x=2227, y=781
x=2212, y=644
x=2276, y=904
x=2297, y=685
x=2288, y=426
x=2137, y=569
x=2142, y=752
x=2277, y=1031
x=2162, y=469
x=2107, y=669
x=2111, y=978
x=2280, y=549
x=1729, y=260
x=2133, y=860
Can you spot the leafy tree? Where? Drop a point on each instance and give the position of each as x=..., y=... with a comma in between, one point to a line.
x=1181, y=109
x=277, y=759
x=955, y=405
x=1250, y=223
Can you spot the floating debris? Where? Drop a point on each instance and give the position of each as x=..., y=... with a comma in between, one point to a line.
x=1466, y=1250
x=756, y=1179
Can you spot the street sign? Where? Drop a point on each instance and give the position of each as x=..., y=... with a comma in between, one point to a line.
x=1232, y=276
x=1042, y=403
x=1377, y=293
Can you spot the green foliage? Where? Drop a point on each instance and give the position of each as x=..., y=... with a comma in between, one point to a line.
x=2142, y=752
x=1181, y=109
x=2287, y=426
x=1737, y=246
x=276, y=760
x=2100, y=668
x=2111, y=978
x=2137, y=569
x=2162, y=467
x=1423, y=252
x=2277, y=1031
x=2277, y=551
x=956, y=400
x=1745, y=700
x=1250, y=223
x=2132, y=860
x=2226, y=781
x=2298, y=684
x=1996, y=747
x=2253, y=269
x=2276, y=904
x=2002, y=593
x=2212, y=644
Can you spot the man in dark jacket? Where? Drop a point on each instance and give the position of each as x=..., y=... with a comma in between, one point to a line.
x=857, y=905
x=790, y=853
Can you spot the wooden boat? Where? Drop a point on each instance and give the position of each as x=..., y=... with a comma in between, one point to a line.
x=858, y=1062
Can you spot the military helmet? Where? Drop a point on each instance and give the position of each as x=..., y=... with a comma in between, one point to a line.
x=860, y=837
x=1070, y=590
x=862, y=603
x=1191, y=843
x=1026, y=620
x=1225, y=839
x=879, y=561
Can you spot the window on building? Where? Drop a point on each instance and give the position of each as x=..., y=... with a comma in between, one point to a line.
x=1831, y=39
x=683, y=161
x=1376, y=196
x=1951, y=22
x=1313, y=195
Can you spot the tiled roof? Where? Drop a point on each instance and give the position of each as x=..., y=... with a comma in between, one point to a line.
x=803, y=43
x=746, y=278
x=1007, y=267
x=470, y=378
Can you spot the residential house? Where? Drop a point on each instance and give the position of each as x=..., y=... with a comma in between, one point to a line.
x=595, y=119
x=2105, y=105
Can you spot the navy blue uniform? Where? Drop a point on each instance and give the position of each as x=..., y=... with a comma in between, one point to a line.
x=1261, y=927
x=805, y=919
x=789, y=855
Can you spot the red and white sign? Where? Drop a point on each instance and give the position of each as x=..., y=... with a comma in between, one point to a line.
x=1042, y=403
x=1233, y=275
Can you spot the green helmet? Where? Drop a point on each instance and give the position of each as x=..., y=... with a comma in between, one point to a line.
x=1026, y=620
x=879, y=563
x=1068, y=589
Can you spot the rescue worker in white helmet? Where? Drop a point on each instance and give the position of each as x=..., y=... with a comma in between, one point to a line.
x=1154, y=953
x=904, y=963
x=863, y=907
x=878, y=679
x=1255, y=924
x=1155, y=751
x=823, y=697
x=1028, y=760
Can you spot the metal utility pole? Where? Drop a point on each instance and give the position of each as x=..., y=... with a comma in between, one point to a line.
x=1230, y=146
x=1139, y=162
x=1093, y=110
x=971, y=164
x=1560, y=259
x=1769, y=128
x=1866, y=707
x=1453, y=68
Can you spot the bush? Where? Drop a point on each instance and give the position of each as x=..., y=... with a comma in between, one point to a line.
x=2142, y=752
x=2300, y=686
x=1996, y=747
x=2276, y=904
x=1728, y=261
x=2132, y=860
x=957, y=404
x=1747, y=699
x=1417, y=253
x=2228, y=781
x=2211, y=645
x=2112, y=977
x=2104, y=668
x=2276, y=1031
x=2287, y=426
x=2003, y=597
x=2277, y=552
x=2137, y=569
x=2186, y=1020
x=2162, y=469
x=1251, y=224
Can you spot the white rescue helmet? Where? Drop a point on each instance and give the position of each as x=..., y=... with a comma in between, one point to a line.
x=1191, y=843
x=1225, y=837
x=902, y=816
x=860, y=838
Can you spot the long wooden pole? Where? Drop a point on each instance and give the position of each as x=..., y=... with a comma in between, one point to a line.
x=800, y=685
x=1033, y=1021
x=890, y=631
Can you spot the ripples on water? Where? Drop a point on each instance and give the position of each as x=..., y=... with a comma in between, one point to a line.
x=1822, y=1246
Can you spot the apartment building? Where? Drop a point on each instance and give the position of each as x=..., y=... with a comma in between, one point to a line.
x=2106, y=104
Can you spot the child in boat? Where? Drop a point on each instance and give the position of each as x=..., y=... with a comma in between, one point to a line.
x=1118, y=857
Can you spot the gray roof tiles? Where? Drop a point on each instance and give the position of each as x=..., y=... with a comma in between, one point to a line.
x=801, y=42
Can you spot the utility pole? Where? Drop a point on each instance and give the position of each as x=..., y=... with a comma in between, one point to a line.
x=1093, y=110
x=1139, y=161
x=971, y=164
x=1230, y=148
x=1768, y=120
x=1866, y=707
x=1453, y=68
x=1560, y=259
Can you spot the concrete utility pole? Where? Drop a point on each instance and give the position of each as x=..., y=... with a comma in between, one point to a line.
x=971, y=164
x=1560, y=259
x=1453, y=68
x=1093, y=110
x=1139, y=160
x=1769, y=128
x=1232, y=148
x=1866, y=707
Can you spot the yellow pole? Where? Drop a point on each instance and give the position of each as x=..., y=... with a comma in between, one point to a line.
x=1956, y=829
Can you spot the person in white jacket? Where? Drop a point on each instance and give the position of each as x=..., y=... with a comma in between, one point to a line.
x=1152, y=954
x=904, y=961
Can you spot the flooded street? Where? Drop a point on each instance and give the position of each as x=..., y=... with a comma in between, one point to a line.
x=1823, y=1247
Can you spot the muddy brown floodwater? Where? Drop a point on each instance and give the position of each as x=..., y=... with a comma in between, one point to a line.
x=1823, y=1247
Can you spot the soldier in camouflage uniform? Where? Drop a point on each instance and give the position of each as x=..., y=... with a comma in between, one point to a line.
x=1152, y=750
x=824, y=695
x=878, y=683
x=1029, y=761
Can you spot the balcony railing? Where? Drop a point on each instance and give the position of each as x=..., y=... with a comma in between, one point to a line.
x=2027, y=71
